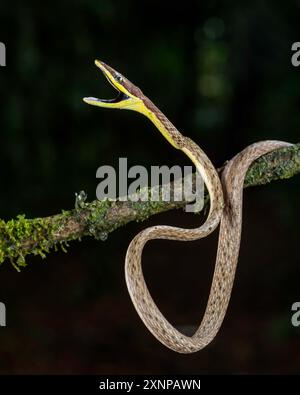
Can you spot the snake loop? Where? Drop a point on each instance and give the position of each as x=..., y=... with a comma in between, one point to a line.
x=225, y=208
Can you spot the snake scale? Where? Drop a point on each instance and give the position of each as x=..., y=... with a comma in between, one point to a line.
x=226, y=196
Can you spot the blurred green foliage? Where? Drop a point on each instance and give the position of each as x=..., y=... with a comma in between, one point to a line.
x=222, y=73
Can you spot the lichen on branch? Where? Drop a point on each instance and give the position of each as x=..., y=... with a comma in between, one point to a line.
x=21, y=236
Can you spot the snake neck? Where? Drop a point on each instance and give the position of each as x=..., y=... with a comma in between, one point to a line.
x=192, y=150
x=167, y=129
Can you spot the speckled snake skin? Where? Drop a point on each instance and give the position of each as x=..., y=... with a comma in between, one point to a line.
x=227, y=256
x=226, y=197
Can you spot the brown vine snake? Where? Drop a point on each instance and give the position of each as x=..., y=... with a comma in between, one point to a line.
x=225, y=206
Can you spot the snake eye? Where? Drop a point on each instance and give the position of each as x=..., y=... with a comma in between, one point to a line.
x=119, y=78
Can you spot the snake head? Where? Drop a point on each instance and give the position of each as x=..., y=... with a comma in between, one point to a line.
x=129, y=96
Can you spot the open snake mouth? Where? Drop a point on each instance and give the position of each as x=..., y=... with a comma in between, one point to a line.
x=119, y=98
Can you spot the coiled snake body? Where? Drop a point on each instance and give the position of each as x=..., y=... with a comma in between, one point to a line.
x=225, y=206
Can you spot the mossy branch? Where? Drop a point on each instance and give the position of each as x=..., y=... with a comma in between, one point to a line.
x=20, y=237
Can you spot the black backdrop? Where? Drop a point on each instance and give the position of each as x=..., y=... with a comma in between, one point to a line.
x=223, y=74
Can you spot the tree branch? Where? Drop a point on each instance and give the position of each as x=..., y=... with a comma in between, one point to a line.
x=20, y=237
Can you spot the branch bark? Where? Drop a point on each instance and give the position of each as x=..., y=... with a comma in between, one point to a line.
x=20, y=237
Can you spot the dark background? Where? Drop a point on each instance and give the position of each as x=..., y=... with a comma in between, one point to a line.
x=222, y=73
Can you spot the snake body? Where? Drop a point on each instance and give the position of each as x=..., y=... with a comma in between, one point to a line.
x=227, y=256
x=226, y=197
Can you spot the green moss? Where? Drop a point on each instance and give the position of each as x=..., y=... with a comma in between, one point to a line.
x=80, y=200
x=146, y=209
x=149, y=207
x=98, y=211
x=16, y=238
x=275, y=165
x=21, y=236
